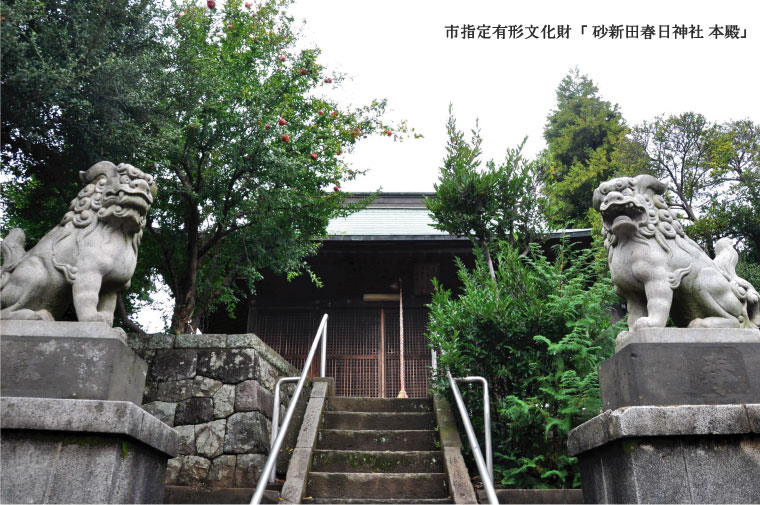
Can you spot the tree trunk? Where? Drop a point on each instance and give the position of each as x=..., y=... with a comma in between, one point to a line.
x=125, y=320
x=185, y=298
x=183, y=312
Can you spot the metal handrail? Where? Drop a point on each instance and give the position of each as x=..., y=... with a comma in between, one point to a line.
x=486, y=418
x=485, y=470
x=275, y=449
x=276, y=416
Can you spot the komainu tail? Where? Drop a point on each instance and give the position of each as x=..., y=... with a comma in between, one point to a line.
x=12, y=248
x=726, y=259
x=11, y=252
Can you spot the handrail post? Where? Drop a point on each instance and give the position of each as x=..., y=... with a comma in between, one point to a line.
x=479, y=462
x=323, y=364
x=276, y=416
x=486, y=419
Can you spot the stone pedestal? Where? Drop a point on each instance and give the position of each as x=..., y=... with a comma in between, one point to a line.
x=675, y=366
x=58, y=359
x=684, y=454
x=681, y=421
x=71, y=428
x=82, y=451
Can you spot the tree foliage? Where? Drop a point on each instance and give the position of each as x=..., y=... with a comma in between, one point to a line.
x=713, y=171
x=500, y=202
x=538, y=334
x=229, y=116
x=252, y=163
x=681, y=149
x=739, y=173
x=73, y=93
x=582, y=135
x=77, y=87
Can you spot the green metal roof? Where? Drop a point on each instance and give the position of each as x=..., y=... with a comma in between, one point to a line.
x=385, y=222
x=401, y=216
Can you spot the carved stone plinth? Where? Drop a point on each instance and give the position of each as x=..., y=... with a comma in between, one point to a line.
x=676, y=366
x=56, y=359
x=82, y=451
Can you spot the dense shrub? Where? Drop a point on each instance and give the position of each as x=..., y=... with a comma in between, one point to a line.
x=537, y=334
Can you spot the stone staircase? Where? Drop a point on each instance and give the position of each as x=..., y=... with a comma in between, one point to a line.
x=373, y=450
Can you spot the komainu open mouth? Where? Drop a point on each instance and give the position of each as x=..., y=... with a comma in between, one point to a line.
x=623, y=212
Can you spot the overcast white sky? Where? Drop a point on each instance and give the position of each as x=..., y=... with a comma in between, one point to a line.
x=397, y=49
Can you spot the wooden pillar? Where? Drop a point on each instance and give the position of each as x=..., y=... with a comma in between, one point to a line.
x=381, y=354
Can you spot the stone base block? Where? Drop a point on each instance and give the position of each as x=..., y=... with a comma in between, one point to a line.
x=81, y=451
x=679, y=366
x=687, y=336
x=684, y=454
x=57, y=359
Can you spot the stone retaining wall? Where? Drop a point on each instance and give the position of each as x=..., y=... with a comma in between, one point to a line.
x=217, y=392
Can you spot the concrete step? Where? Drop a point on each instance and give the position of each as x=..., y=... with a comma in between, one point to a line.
x=378, y=440
x=362, y=404
x=389, y=501
x=377, y=486
x=342, y=420
x=196, y=496
x=378, y=461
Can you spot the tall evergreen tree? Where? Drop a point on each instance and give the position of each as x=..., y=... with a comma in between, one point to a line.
x=581, y=134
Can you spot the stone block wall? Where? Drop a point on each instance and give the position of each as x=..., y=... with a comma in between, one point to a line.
x=217, y=391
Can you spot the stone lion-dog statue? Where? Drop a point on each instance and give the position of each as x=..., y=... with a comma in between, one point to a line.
x=660, y=271
x=88, y=258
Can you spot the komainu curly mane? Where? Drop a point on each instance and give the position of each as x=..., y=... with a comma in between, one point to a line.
x=88, y=258
x=661, y=271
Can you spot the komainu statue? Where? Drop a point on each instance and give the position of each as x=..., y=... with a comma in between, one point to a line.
x=660, y=271
x=88, y=258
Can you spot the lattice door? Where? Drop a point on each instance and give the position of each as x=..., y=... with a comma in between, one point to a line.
x=362, y=347
x=353, y=348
